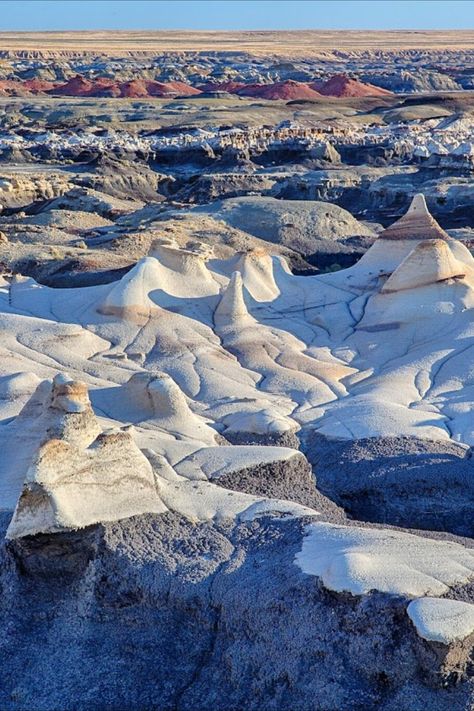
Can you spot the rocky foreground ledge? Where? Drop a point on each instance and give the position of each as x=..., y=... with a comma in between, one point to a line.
x=164, y=543
x=158, y=612
x=128, y=585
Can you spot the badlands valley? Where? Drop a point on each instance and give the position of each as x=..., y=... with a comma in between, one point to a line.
x=237, y=374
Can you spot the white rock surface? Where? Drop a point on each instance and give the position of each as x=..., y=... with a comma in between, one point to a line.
x=443, y=621
x=184, y=347
x=378, y=349
x=357, y=560
x=67, y=487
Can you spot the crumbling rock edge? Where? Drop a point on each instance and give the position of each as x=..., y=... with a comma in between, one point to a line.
x=156, y=612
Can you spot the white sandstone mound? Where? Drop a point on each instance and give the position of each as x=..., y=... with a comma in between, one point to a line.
x=263, y=421
x=357, y=560
x=213, y=462
x=129, y=298
x=430, y=262
x=183, y=271
x=61, y=472
x=442, y=620
x=15, y=390
x=59, y=409
x=69, y=487
x=397, y=241
x=17, y=385
x=155, y=400
x=381, y=348
x=256, y=269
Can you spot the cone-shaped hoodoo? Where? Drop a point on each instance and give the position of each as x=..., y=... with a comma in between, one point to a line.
x=429, y=262
x=159, y=398
x=396, y=242
x=129, y=298
x=232, y=307
x=416, y=224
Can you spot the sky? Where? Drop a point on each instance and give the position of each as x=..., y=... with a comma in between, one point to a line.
x=235, y=14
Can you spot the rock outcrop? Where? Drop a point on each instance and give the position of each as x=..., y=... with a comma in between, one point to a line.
x=68, y=487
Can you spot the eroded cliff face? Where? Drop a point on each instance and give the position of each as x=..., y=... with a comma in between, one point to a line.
x=161, y=612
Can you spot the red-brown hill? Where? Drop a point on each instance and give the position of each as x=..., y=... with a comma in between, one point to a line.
x=230, y=86
x=340, y=85
x=285, y=90
x=38, y=86
x=135, y=89
x=10, y=87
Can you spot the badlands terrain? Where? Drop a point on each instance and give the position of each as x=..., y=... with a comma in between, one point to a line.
x=237, y=373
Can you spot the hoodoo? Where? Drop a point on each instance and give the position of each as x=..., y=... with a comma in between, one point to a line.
x=398, y=240
x=232, y=307
x=256, y=268
x=59, y=409
x=183, y=271
x=236, y=407
x=430, y=262
x=159, y=399
x=68, y=487
x=416, y=224
x=129, y=298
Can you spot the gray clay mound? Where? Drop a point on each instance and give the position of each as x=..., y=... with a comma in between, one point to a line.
x=298, y=224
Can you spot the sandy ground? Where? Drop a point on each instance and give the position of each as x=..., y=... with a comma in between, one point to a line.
x=280, y=43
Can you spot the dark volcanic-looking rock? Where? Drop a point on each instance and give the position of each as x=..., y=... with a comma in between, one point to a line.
x=404, y=481
x=156, y=612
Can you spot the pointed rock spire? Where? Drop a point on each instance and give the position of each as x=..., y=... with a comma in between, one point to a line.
x=256, y=268
x=232, y=307
x=416, y=224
